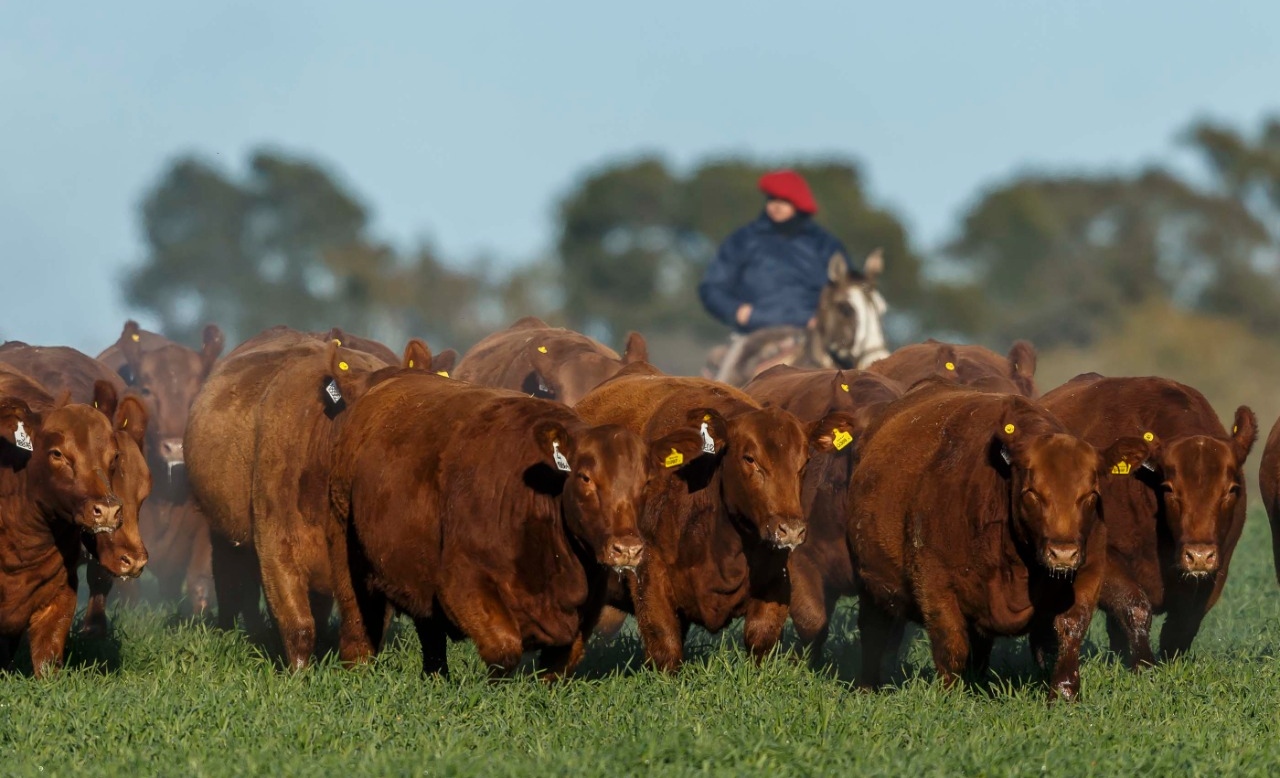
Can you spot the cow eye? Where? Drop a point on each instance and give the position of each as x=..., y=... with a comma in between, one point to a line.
x=750, y=460
x=145, y=391
x=1234, y=490
x=55, y=453
x=1166, y=487
x=583, y=477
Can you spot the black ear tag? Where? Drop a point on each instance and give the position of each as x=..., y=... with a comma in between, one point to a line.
x=334, y=393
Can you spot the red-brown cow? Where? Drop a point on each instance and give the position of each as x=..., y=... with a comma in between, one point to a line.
x=59, y=466
x=820, y=569
x=718, y=534
x=1269, y=484
x=532, y=357
x=258, y=448
x=488, y=514
x=972, y=366
x=61, y=370
x=168, y=376
x=1173, y=524
x=976, y=514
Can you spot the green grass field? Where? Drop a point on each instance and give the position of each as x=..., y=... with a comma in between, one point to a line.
x=160, y=698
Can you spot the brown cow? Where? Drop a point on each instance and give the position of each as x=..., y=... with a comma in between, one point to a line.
x=61, y=370
x=537, y=359
x=168, y=376
x=1269, y=484
x=258, y=449
x=59, y=467
x=1172, y=525
x=516, y=559
x=973, y=366
x=976, y=514
x=718, y=533
x=820, y=569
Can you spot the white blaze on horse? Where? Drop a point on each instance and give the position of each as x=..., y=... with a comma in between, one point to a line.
x=845, y=331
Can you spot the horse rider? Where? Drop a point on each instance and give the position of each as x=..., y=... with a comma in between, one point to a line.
x=770, y=272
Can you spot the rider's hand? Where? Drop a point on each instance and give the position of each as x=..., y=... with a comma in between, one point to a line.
x=744, y=314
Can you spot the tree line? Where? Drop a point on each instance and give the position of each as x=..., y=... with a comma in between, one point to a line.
x=1060, y=259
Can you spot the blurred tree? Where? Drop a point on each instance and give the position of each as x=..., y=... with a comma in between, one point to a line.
x=1059, y=259
x=635, y=239
x=286, y=245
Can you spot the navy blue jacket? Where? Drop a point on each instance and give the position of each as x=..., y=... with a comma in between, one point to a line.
x=779, y=269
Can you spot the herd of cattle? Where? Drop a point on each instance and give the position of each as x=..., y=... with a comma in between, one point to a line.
x=544, y=487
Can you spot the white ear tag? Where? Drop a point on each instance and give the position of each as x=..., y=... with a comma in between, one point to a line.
x=21, y=438
x=562, y=463
x=335, y=394
x=708, y=443
x=1006, y=456
x=1148, y=465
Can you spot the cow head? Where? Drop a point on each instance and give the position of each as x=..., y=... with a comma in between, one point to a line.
x=761, y=459
x=122, y=553
x=605, y=470
x=74, y=456
x=565, y=370
x=1199, y=483
x=168, y=379
x=1054, y=482
x=350, y=373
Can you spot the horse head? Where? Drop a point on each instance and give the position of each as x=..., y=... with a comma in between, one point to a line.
x=847, y=322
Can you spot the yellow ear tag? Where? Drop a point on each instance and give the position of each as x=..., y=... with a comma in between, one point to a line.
x=706, y=417
x=844, y=387
x=951, y=366
x=842, y=438
x=337, y=342
x=542, y=349
x=124, y=424
x=674, y=459
x=411, y=363
x=1008, y=429
x=1121, y=468
x=135, y=337
x=1235, y=429
x=444, y=373
x=1147, y=436
x=343, y=366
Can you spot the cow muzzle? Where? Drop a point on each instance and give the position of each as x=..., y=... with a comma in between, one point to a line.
x=124, y=564
x=624, y=554
x=172, y=455
x=1061, y=558
x=787, y=534
x=1198, y=559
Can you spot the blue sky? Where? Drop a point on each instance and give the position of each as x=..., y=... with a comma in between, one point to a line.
x=463, y=124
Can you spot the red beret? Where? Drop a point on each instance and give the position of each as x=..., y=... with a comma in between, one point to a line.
x=788, y=185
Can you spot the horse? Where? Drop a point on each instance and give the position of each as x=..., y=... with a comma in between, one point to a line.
x=845, y=331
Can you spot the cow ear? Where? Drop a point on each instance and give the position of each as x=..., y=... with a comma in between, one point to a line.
x=417, y=355
x=18, y=428
x=130, y=345
x=543, y=381
x=105, y=397
x=444, y=362
x=947, y=363
x=833, y=432
x=338, y=386
x=554, y=444
x=671, y=452
x=1007, y=443
x=213, y=342
x=1244, y=432
x=712, y=429
x=1127, y=456
x=1022, y=363
x=837, y=268
x=637, y=349
x=131, y=419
